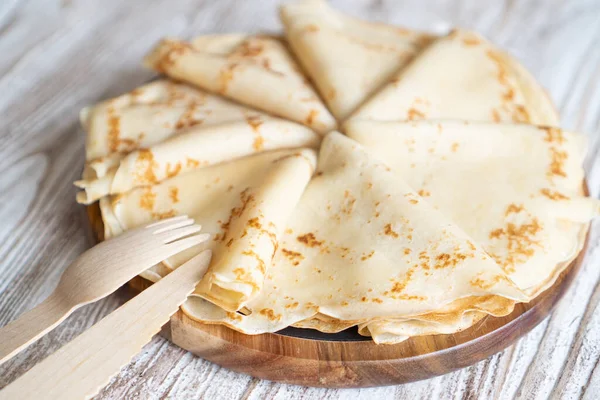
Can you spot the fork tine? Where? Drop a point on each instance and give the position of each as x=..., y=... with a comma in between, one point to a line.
x=174, y=225
x=166, y=221
x=190, y=241
x=170, y=236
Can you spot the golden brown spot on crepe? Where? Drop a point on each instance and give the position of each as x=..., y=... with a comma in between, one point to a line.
x=258, y=143
x=344, y=303
x=114, y=130
x=145, y=162
x=147, y=199
x=312, y=115
x=269, y=313
x=246, y=198
x=171, y=172
x=187, y=118
x=254, y=121
x=292, y=305
x=414, y=114
x=289, y=231
x=191, y=163
x=496, y=116
x=471, y=245
x=254, y=223
x=471, y=41
x=407, y=251
x=553, y=195
x=520, y=243
x=229, y=243
x=239, y=273
x=293, y=256
x=233, y=315
x=446, y=260
x=174, y=194
x=331, y=94
x=377, y=300
x=454, y=147
x=247, y=49
x=364, y=299
x=424, y=258
x=513, y=208
x=309, y=240
x=174, y=50
x=164, y=215
x=261, y=264
x=399, y=286
x=311, y=28
x=226, y=76
x=413, y=201
x=486, y=285
x=553, y=135
x=344, y=251
x=387, y=230
x=519, y=113
x=367, y=256
x=423, y=193
x=347, y=203
x=558, y=163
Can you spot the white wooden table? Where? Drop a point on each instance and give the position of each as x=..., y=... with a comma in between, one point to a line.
x=58, y=55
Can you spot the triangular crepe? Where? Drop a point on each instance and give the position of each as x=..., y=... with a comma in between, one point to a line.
x=362, y=245
x=348, y=59
x=243, y=203
x=197, y=129
x=461, y=76
x=254, y=70
x=515, y=188
x=146, y=116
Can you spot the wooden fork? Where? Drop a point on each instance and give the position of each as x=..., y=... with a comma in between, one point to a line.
x=98, y=272
x=82, y=367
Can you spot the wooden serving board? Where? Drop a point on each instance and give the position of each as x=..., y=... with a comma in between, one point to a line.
x=303, y=357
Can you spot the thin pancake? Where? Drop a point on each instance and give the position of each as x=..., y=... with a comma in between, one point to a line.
x=515, y=188
x=347, y=58
x=255, y=70
x=195, y=147
x=362, y=245
x=243, y=203
x=460, y=76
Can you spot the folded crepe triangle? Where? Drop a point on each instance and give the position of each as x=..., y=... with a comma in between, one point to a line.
x=146, y=116
x=197, y=130
x=461, y=76
x=361, y=246
x=516, y=189
x=347, y=58
x=243, y=203
x=254, y=70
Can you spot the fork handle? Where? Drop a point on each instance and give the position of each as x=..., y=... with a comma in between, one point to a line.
x=32, y=325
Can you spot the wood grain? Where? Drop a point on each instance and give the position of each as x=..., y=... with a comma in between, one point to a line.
x=59, y=55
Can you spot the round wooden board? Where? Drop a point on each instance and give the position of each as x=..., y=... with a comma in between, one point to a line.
x=350, y=364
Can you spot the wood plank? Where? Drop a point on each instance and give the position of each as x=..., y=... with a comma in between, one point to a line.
x=54, y=62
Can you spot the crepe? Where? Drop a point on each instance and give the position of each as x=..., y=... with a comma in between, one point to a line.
x=147, y=115
x=515, y=188
x=461, y=76
x=348, y=59
x=255, y=70
x=361, y=245
x=243, y=203
x=195, y=147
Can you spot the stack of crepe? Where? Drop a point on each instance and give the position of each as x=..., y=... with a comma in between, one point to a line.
x=420, y=185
